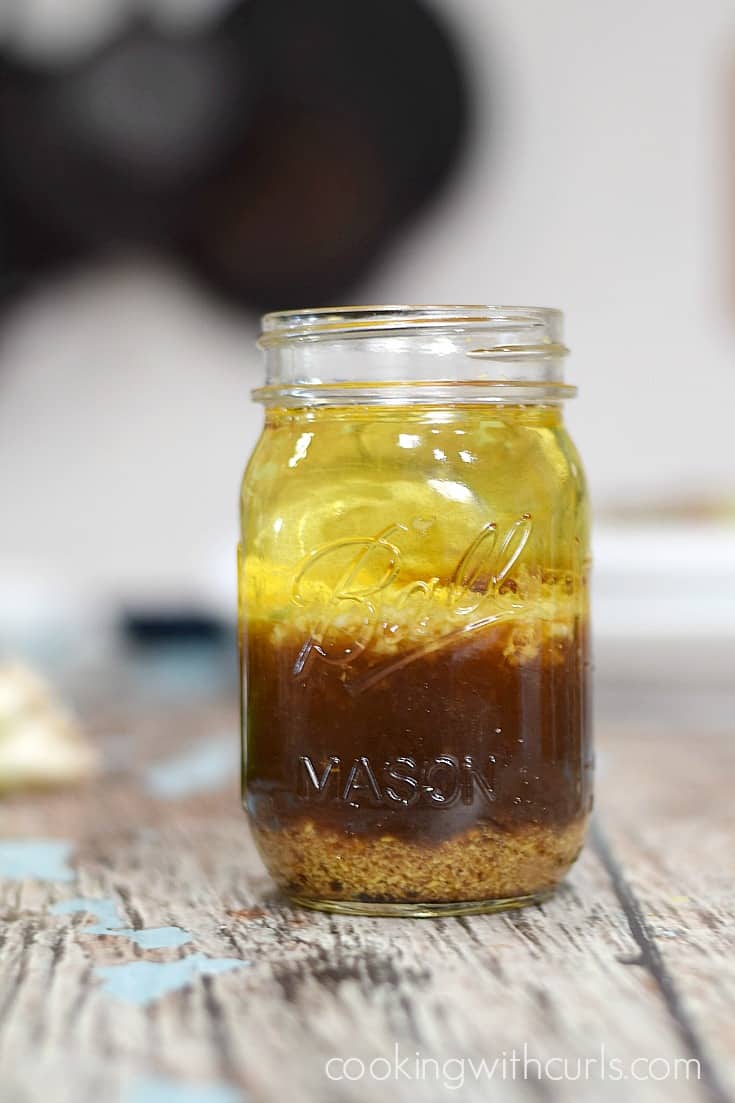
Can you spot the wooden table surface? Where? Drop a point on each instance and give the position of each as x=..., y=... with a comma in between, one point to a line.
x=146, y=958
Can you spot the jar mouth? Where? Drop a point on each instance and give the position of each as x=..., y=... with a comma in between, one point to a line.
x=520, y=330
x=424, y=354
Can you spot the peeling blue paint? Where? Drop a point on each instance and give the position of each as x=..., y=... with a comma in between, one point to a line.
x=141, y=982
x=158, y=1089
x=111, y=923
x=204, y=768
x=36, y=859
x=150, y=938
x=104, y=910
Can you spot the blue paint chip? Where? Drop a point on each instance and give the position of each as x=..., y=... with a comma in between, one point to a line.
x=150, y=938
x=111, y=922
x=36, y=860
x=142, y=982
x=105, y=911
x=158, y=1089
x=205, y=768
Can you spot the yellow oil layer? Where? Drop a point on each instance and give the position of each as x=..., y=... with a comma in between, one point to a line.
x=396, y=525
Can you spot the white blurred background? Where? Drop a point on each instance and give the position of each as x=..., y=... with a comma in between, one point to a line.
x=600, y=179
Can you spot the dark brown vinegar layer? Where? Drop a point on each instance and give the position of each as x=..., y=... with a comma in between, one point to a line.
x=487, y=732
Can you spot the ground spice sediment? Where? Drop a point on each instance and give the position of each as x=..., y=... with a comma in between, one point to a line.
x=481, y=864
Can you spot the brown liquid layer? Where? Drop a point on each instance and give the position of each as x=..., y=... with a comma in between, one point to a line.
x=485, y=732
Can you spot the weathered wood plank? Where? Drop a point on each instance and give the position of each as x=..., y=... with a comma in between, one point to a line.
x=559, y=978
x=670, y=821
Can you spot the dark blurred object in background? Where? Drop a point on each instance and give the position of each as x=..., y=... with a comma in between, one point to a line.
x=274, y=151
x=162, y=627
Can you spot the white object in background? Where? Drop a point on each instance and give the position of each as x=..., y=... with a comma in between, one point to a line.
x=41, y=743
x=667, y=579
x=663, y=604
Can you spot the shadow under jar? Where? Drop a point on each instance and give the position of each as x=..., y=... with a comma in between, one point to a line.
x=413, y=611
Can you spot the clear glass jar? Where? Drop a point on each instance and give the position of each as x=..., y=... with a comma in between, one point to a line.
x=413, y=613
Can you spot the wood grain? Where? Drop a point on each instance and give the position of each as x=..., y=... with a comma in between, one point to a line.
x=670, y=825
x=633, y=954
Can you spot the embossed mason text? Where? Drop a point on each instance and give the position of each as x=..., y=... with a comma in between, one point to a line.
x=440, y=781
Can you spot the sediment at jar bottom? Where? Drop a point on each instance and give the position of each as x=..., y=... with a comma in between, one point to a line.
x=319, y=865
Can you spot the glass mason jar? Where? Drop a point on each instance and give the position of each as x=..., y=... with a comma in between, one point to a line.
x=413, y=611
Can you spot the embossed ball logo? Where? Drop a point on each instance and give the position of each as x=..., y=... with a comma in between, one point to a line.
x=350, y=609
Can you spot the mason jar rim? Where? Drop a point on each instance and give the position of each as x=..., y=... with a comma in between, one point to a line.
x=428, y=354
x=527, y=329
